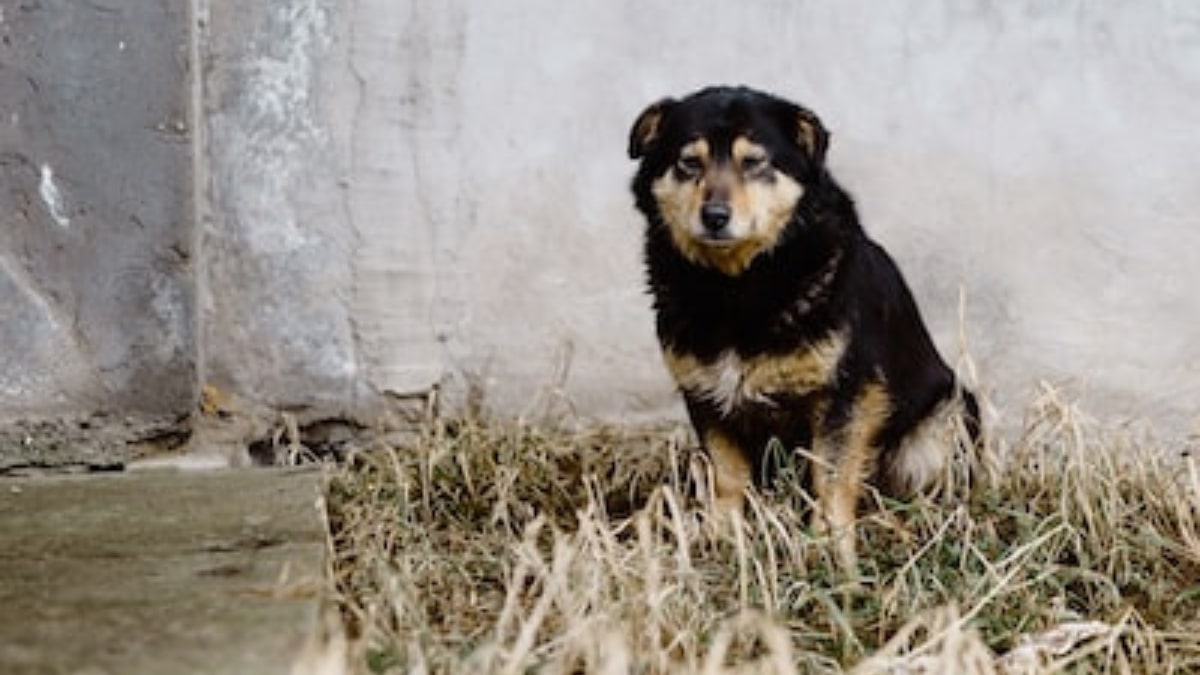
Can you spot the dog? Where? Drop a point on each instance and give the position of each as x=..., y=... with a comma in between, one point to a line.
x=778, y=317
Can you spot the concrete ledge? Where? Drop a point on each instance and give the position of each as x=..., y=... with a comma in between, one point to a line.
x=159, y=571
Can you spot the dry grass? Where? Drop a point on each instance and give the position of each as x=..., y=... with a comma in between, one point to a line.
x=501, y=548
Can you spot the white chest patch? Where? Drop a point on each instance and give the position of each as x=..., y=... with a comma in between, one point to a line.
x=730, y=380
x=721, y=382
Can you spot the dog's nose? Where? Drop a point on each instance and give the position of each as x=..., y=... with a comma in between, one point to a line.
x=715, y=216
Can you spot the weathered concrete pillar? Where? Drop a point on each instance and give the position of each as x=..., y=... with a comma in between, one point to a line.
x=276, y=325
x=319, y=278
x=96, y=237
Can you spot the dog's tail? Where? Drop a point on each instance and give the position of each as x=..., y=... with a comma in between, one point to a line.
x=944, y=454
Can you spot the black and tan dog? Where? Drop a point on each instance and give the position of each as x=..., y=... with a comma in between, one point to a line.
x=778, y=317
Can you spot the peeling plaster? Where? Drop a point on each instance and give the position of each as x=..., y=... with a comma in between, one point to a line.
x=52, y=197
x=277, y=130
x=275, y=277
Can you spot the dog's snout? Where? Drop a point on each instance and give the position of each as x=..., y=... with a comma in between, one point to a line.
x=715, y=215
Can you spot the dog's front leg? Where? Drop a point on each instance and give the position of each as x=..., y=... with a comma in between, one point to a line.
x=840, y=469
x=732, y=472
x=846, y=453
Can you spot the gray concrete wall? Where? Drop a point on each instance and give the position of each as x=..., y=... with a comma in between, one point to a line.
x=1038, y=157
x=396, y=195
x=96, y=250
x=276, y=311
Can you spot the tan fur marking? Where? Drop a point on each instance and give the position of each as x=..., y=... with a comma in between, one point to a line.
x=761, y=201
x=730, y=381
x=799, y=372
x=744, y=147
x=646, y=127
x=847, y=460
x=698, y=149
x=731, y=470
x=810, y=135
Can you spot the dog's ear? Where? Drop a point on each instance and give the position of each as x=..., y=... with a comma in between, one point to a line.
x=808, y=132
x=647, y=127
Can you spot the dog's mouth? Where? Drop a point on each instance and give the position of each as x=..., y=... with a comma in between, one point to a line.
x=722, y=238
x=729, y=249
x=717, y=240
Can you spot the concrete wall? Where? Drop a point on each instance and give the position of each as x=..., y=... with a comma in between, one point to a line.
x=276, y=318
x=96, y=229
x=1040, y=157
x=394, y=195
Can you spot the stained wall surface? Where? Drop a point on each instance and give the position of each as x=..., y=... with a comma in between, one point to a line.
x=1036, y=161
x=398, y=195
x=96, y=250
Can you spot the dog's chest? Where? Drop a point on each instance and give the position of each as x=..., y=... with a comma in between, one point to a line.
x=732, y=381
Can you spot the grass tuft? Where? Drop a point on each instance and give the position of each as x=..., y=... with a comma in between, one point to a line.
x=504, y=548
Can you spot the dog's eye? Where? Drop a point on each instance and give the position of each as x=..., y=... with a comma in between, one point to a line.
x=753, y=163
x=689, y=165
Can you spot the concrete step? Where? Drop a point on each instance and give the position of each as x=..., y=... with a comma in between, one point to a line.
x=159, y=572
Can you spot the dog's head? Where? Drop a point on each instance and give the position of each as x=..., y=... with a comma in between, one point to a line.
x=724, y=169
